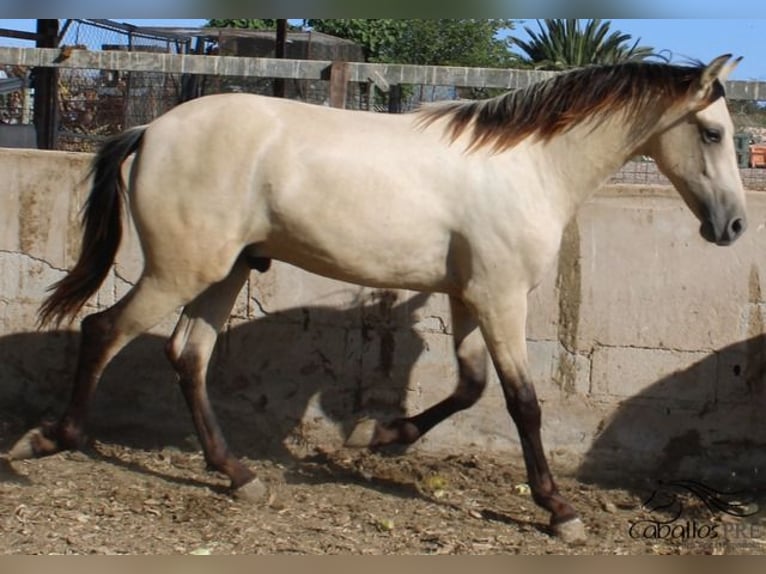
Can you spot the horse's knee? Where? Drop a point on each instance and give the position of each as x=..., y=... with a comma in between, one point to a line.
x=472, y=367
x=468, y=392
x=471, y=353
x=525, y=408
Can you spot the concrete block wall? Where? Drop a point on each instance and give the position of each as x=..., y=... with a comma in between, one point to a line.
x=646, y=344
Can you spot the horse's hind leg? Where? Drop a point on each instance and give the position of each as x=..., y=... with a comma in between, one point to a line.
x=472, y=368
x=103, y=335
x=189, y=350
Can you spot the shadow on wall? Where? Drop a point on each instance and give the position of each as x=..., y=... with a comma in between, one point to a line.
x=707, y=422
x=269, y=379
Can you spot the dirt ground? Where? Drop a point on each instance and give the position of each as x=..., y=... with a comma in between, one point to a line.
x=115, y=499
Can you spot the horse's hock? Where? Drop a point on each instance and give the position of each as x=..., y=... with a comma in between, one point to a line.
x=646, y=343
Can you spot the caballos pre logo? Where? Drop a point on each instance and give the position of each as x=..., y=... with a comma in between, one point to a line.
x=667, y=505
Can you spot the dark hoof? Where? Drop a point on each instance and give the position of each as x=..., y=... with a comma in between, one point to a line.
x=571, y=532
x=252, y=492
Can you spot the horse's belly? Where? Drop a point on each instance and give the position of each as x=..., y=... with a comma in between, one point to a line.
x=405, y=265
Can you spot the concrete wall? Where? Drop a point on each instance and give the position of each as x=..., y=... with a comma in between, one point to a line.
x=646, y=344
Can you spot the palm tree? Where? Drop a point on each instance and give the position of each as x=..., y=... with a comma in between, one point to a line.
x=562, y=44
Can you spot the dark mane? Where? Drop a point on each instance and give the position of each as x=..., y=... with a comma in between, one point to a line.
x=557, y=104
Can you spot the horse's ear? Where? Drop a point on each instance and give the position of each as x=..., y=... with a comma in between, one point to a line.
x=717, y=70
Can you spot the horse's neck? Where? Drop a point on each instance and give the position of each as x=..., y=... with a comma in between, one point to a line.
x=585, y=158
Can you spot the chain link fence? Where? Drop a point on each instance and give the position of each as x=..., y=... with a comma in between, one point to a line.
x=15, y=101
x=94, y=104
x=645, y=172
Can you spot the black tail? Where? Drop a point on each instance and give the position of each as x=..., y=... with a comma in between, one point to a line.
x=102, y=222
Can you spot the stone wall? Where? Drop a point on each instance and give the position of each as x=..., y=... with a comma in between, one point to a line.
x=646, y=343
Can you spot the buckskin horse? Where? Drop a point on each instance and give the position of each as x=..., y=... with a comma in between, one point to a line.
x=469, y=199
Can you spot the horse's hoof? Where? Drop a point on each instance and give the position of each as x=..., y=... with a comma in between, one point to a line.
x=571, y=532
x=362, y=435
x=253, y=491
x=32, y=445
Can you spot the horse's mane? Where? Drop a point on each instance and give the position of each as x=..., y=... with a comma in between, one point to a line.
x=555, y=105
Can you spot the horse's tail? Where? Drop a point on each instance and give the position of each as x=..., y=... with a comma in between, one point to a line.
x=102, y=222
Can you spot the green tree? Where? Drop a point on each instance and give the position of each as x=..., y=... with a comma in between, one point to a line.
x=442, y=42
x=375, y=36
x=565, y=43
x=456, y=43
x=437, y=42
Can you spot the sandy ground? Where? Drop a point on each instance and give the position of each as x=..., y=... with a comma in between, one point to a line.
x=115, y=499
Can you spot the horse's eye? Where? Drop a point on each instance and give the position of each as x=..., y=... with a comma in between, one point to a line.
x=710, y=135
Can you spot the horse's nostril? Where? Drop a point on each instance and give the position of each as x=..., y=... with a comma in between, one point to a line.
x=737, y=226
x=733, y=230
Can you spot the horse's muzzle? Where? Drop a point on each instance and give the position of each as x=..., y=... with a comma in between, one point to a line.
x=724, y=234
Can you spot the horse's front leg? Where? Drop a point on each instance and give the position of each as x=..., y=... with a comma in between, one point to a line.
x=503, y=322
x=189, y=350
x=471, y=356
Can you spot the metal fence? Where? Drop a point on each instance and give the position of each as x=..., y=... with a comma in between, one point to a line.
x=96, y=103
x=645, y=172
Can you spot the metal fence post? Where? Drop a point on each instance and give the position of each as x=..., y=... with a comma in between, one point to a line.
x=395, y=99
x=45, y=81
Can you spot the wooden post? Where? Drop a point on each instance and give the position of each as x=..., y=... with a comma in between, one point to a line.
x=395, y=99
x=45, y=82
x=280, y=51
x=192, y=84
x=339, y=73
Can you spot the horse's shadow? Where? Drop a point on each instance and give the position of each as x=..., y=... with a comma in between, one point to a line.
x=272, y=380
x=704, y=424
x=269, y=379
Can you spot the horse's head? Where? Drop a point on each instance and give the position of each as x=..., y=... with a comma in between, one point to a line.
x=696, y=152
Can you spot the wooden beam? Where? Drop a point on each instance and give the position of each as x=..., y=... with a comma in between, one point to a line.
x=338, y=84
x=744, y=90
x=269, y=67
x=18, y=34
x=303, y=69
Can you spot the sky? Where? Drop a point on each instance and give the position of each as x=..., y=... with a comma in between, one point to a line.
x=704, y=39
x=695, y=38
